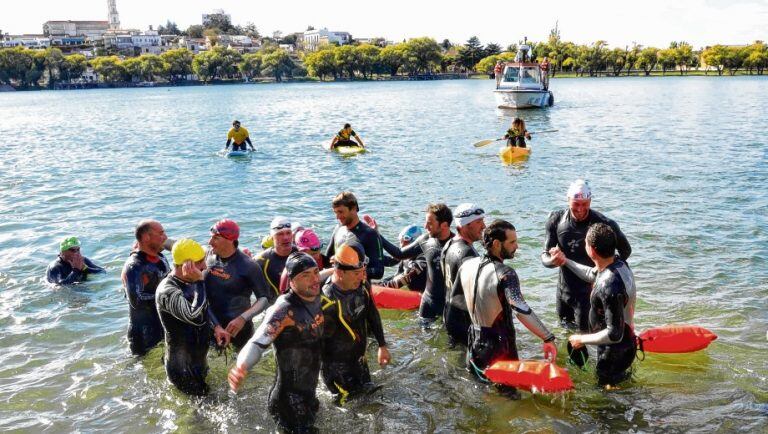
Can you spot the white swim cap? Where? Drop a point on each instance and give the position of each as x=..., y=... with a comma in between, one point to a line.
x=579, y=190
x=466, y=213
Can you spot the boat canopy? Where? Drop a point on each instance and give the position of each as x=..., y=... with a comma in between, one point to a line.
x=522, y=75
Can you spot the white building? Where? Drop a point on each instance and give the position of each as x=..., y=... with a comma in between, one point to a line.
x=27, y=41
x=148, y=42
x=89, y=29
x=315, y=38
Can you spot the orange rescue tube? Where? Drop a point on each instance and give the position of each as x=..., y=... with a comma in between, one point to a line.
x=391, y=298
x=676, y=339
x=532, y=375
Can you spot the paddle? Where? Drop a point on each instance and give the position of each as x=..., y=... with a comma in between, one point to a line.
x=482, y=143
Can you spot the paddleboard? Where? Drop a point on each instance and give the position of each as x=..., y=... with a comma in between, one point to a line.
x=237, y=154
x=349, y=150
x=511, y=154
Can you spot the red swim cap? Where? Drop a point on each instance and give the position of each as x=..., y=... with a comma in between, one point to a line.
x=227, y=229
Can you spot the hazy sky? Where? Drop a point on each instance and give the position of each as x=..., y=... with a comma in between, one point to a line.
x=651, y=22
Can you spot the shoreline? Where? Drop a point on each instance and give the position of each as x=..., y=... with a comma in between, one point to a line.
x=420, y=77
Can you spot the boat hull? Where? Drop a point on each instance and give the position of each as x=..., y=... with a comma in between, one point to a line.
x=516, y=99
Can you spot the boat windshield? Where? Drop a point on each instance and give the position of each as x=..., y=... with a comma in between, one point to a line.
x=530, y=75
x=511, y=74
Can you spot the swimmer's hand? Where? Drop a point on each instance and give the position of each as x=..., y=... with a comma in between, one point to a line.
x=222, y=336
x=190, y=273
x=557, y=256
x=384, y=356
x=575, y=341
x=236, y=376
x=234, y=326
x=550, y=351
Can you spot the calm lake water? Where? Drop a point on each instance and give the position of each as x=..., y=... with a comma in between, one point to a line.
x=680, y=163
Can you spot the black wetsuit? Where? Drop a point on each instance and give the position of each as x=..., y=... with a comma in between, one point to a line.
x=345, y=140
x=272, y=265
x=61, y=273
x=349, y=317
x=611, y=318
x=492, y=292
x=141, y=275
x=411, y=272
x=230, y=283
x=295, y=327
x=456, y=316
x=516, y=139
x=433, y=298
x=566, y=233
x=183, y=312
x=373, y=245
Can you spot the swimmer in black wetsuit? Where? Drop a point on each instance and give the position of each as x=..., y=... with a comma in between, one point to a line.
x=182, y=305
x=492, y=294
x=70, y=266
x=438, y=225
x=345, y=208
x=612, y=311
x=230, y=279
x=294, y=324
x=470, y=222
x=345, y=136
x=565, y=231
x=350, y=315
x=272, y=260
x=410, y=272
x=142, y=273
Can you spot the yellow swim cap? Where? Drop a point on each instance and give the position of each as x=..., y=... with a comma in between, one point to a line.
x=187, y=249
x=267, y=242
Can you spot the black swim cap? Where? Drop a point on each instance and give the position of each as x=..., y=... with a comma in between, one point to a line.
x=297, y=263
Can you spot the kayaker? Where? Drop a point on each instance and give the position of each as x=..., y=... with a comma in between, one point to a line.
x=516, y=134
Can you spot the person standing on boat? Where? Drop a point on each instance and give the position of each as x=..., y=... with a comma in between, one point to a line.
x=544, y=66
x=565, y=233
x=612, y=311
x=345, y=136
x=497, y=71
x=492, y=295
x=238, y=135
x=516, y=134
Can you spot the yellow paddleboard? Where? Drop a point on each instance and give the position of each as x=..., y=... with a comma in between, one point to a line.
x=512, y=154
x=349, y=150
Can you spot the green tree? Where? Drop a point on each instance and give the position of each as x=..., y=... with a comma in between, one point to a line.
x=170, y=28
x=757, y=57
x=486, y=64
x=151, y=66
x=667, y=59
x=423, y=54
x=73, y=67
x=471, y=53
x=54, y=60
x=684, y=57
x=716, y=56
x=204, y=65
x=321, y=63
x=492, y=49
x=735, y=59
x=36, y=73
x=596, y=55
x=347, y=59
x=132, y=67
x=251, y=31
x=250, y=65
x=647, y=59
x=109, y=69
x=179, y=63
x=631, y=56
x=195, y=31
x=278, y=64
x=616, y=59
x=15, y=63
x=393, y=57
x=368, y=59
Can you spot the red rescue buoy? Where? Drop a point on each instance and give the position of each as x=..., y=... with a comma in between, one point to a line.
x=391, y=298
x=532, y=375
x=676, y=339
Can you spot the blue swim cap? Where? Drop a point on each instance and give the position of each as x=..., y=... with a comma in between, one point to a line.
x=410, y=233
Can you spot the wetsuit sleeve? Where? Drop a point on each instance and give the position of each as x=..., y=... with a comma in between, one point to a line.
x=212, y=316
x=622, y=243
x=61, y=275
x=374, y=320
x=331, y=249
x=409, y=252
x=510, y=285
x=176, y=304
x=614, y=320
x=583, y=272
x=92, y=267
x=260, y=291
x=274, y=322
x=134, y=285
x=389, y=261
x=550, y=239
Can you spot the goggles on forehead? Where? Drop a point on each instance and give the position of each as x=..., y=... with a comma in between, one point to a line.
x=282, y=226
x=470, y=212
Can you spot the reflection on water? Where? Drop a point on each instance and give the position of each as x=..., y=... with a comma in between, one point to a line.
x=680, y=163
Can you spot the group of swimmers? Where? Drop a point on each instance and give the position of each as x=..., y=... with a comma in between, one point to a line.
x=319, y=307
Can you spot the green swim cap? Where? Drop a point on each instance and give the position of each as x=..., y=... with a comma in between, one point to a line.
x=68, y=243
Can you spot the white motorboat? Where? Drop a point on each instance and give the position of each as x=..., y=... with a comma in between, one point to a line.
x=522, y=84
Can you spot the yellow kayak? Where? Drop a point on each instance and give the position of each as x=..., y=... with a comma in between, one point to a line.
x=512, y=154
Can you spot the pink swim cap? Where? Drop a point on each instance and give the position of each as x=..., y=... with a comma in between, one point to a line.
x=306, y=239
